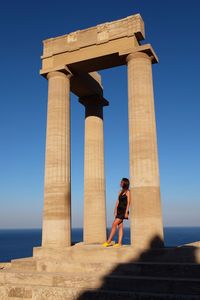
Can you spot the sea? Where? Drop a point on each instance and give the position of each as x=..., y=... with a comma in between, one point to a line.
x=18, y=243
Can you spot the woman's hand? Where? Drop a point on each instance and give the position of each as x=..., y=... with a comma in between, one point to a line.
x=126, y=214
x=115, y=213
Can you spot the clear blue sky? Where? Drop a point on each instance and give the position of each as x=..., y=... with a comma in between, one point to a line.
x=173, y=29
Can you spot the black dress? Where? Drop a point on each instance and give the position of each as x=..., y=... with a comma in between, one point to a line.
x=121, y=208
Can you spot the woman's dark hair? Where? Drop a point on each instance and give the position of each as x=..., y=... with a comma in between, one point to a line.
x=125, y=185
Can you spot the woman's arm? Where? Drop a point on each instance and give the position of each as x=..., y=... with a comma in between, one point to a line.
x=128, y=203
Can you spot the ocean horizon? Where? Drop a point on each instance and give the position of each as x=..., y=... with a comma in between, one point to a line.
x=19, y=242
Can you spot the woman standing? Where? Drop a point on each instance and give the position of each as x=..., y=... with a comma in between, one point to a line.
x=121, y=212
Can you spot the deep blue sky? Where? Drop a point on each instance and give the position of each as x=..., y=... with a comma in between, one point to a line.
x=173, y=29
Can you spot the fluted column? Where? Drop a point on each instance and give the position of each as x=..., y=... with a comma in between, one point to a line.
x=94, y=230
x=56, y=230
x=146, y=214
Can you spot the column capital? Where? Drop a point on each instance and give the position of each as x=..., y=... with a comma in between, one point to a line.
x=56, y=71
x=137, y=55
x=144, y=51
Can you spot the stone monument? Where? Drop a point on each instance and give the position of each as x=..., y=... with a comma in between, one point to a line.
x=65, y=60
x=144, y=269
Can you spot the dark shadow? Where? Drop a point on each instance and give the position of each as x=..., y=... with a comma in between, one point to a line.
x=153, y=272
x=94, y=105
x=86, y=84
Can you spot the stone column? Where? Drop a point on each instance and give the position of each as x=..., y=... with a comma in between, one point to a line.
x=94, y=177
x=56, y=230
x=146, y=214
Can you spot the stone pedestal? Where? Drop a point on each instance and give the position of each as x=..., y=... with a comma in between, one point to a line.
x=56, y=228
x=146, y=216
x=94, y=177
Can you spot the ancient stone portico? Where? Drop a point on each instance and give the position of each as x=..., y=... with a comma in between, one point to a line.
x=145, y=269
x=70, y=63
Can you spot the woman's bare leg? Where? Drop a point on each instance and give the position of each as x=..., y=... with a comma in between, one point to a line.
x=113, y=230
x=121, y=232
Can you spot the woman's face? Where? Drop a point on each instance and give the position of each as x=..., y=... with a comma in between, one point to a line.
x=121, y=183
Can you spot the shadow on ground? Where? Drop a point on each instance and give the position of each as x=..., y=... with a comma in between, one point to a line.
x=171, y=271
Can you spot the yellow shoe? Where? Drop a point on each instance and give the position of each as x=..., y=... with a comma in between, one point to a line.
x=117, y=245
x=106, y=244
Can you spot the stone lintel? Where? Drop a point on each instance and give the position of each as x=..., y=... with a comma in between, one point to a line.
x=93, y=58
x=147, y=48
x=130, y=26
